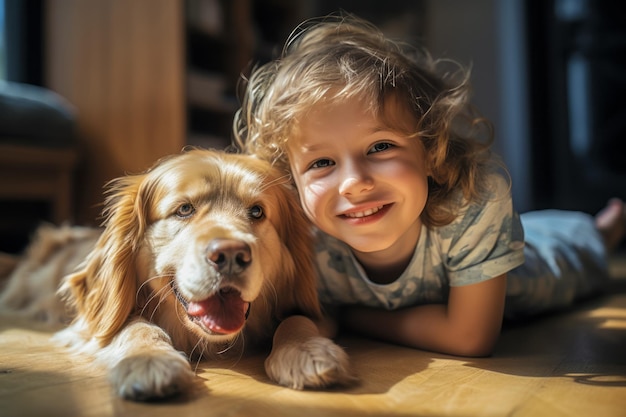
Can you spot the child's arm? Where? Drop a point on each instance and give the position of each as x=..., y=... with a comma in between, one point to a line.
x=469, y=325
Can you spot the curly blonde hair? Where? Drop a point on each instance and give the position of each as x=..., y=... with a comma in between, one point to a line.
x=342, y=57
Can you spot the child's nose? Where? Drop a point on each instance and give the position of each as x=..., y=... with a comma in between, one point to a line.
x=355, y=182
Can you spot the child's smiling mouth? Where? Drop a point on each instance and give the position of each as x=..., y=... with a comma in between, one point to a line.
x=368, y=212
x=373, y=212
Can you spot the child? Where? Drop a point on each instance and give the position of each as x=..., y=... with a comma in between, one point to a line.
x=417, y=239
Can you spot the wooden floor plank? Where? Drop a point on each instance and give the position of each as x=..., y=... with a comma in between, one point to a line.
x=570, y=364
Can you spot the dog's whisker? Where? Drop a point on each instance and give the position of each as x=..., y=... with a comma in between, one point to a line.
x=241, y=337
x=238, y=340
x=202, y=346
x=152, y=279
x=153, y=295
x=270, y=295
x=162, y=294
x=276, y=181
x=227, y=347
x=193, y=349
x=147, y=281
x=197, y=365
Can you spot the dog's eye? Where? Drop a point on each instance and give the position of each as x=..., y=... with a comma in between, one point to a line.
x=256, y=212
x=185, y=210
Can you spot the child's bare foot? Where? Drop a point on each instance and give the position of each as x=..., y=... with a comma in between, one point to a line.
x=611, y=223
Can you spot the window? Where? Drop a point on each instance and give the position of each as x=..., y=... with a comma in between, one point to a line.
x=21, y=41
x=3, y=49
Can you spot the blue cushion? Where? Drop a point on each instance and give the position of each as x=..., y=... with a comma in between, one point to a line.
x=35, y=116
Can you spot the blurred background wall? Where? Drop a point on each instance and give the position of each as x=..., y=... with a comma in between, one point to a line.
x=150, y=76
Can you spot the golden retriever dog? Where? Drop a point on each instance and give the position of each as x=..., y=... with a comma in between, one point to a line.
x=203, y=254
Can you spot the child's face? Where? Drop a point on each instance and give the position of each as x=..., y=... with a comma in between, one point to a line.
x=358, y=180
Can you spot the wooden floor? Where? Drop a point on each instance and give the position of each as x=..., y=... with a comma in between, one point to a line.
x=570, y=364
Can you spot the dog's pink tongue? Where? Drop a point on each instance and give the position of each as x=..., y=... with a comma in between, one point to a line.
x=222, y=313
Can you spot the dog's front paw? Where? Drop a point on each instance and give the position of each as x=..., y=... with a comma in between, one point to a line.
x=151, y=376
x=316, y=362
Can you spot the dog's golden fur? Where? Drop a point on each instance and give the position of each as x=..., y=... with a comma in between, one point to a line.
x=190, y=249
x=33, y=278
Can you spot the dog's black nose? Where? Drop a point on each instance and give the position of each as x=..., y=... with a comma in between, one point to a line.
x=229, y=256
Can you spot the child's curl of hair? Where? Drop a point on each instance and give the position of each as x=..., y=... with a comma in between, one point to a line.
x=343, y=57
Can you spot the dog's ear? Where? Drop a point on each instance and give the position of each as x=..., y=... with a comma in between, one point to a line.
x=295, y=231
x=104, y=290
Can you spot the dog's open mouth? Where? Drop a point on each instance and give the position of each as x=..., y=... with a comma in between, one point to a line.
x=225, y=312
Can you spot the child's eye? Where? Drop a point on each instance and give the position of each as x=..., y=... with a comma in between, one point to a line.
x=380, y=147
x=185, y=210
x=322, y=163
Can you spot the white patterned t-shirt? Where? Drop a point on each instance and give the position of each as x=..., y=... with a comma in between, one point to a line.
x=483, y=242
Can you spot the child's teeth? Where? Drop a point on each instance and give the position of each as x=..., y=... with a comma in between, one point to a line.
x=365, y=213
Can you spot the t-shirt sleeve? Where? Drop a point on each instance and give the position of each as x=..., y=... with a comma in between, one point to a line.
x=486, y=240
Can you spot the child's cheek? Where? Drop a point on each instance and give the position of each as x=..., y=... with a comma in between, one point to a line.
x=311, y=198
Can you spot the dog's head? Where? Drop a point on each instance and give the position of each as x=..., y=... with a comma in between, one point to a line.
x=205, y=239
